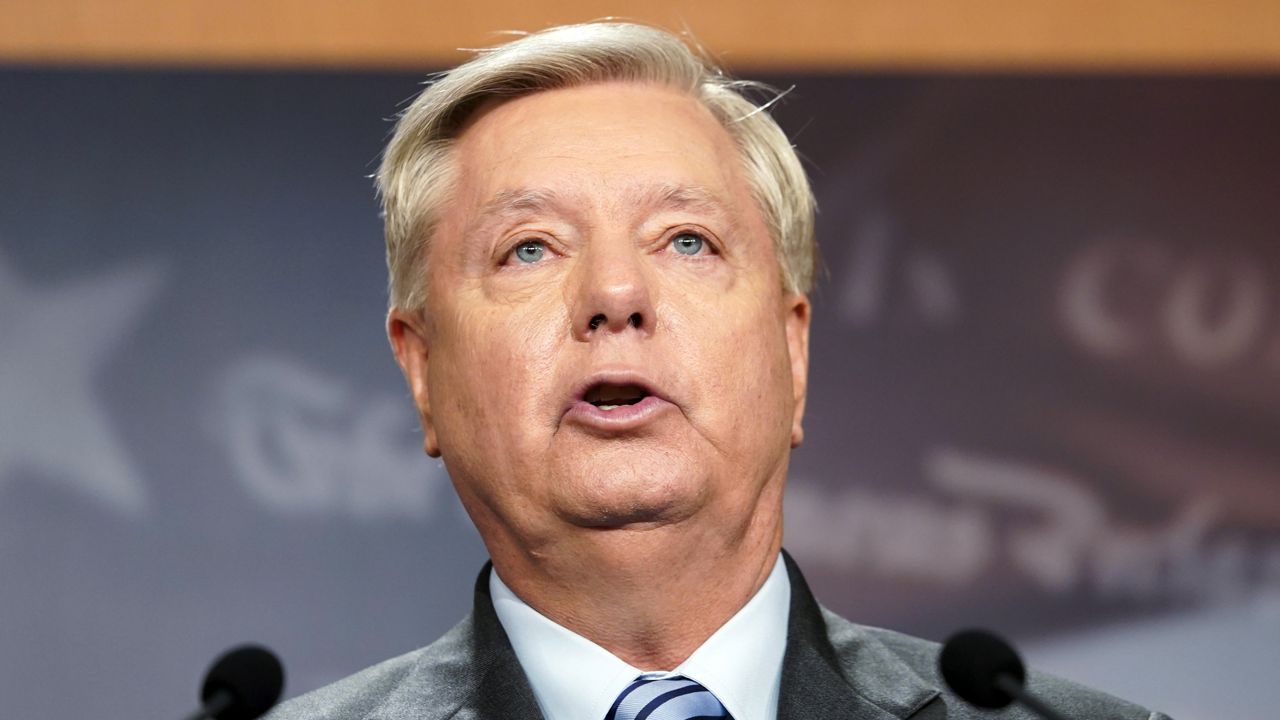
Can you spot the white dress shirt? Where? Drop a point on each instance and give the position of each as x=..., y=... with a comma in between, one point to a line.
x=576, y=679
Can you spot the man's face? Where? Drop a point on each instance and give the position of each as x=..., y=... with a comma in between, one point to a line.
x=606, y=343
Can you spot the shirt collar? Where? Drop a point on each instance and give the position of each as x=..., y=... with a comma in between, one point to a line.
x=576, y=679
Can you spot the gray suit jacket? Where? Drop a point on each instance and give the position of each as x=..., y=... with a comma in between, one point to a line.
x=832, y=669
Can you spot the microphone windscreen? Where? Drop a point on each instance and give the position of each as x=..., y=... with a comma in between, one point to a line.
x=970, y=662
x=252, y=675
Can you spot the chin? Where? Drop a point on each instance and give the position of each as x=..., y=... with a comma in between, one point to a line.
x=634, y=494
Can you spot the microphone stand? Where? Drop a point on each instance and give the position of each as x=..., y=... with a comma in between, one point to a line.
x=1010, y=686
x=214, y=706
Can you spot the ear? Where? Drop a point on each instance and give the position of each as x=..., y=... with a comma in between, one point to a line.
x=407, y=332
x=797, y=321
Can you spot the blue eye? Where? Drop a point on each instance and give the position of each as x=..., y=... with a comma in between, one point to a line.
x=687, y=244
x=530, y=251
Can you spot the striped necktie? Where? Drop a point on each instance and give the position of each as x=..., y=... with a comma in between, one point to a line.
x=669, y=698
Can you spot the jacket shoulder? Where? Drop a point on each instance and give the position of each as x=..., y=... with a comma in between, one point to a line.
x=428, y=683
x=1069, y=698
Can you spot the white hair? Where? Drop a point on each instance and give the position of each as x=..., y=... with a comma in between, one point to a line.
x=417, y=170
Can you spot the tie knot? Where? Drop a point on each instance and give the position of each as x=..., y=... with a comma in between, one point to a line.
x=667, y=698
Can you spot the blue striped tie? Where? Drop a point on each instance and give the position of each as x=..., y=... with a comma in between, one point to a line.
x=670, y=698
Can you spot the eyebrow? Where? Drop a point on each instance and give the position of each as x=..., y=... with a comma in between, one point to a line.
x=684, y=197
x=507, y=202
x=546, y=201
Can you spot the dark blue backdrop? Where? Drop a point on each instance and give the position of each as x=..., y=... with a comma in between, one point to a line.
x=1045, y=381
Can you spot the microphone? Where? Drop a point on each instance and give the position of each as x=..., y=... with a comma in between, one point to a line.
x=243, y=684
x=985, y=671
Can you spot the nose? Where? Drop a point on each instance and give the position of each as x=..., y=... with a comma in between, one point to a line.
x=613, y=292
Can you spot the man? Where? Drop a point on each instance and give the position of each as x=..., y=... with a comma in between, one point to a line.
x=599, y=256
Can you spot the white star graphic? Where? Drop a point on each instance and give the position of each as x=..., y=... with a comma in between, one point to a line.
x=52, y=342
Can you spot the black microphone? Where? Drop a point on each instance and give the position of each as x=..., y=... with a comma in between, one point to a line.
x=242, y=684
x=986, y=671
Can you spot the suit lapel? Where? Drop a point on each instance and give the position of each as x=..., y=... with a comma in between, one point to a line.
x=503, y=692
x=841, y=672
x=469, y=674
x=832, y=669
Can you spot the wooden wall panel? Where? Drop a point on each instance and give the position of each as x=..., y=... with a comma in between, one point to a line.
x=1205, y=35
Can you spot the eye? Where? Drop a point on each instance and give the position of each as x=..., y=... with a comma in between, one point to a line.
x=687, y=243
x=530, y=251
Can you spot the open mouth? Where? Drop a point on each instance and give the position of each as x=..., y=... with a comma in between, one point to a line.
x=608, y=396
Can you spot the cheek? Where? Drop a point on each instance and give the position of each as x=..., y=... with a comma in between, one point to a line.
x=496, y=366
x=489, y=371
x=734, y=356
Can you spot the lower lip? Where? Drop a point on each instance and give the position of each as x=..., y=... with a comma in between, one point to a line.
x=619, y=419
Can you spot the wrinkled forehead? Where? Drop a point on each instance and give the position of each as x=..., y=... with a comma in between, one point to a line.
x=590, y=104
x=640, y=142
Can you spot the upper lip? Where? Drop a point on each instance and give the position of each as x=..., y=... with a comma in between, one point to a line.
x=614, y=377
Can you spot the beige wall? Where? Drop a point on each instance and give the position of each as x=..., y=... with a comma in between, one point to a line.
x=827, y=34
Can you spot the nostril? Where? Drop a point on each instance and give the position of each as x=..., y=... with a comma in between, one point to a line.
x=596, y=321
x=635, y=320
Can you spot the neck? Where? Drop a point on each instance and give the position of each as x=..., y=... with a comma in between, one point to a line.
x=649, y=595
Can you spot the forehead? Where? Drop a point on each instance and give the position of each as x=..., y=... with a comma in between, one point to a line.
x=628, y=138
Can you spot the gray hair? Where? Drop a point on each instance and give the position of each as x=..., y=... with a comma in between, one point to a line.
x=417, y=169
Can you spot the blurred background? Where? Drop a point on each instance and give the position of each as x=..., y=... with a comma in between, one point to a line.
x=1045, y=392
